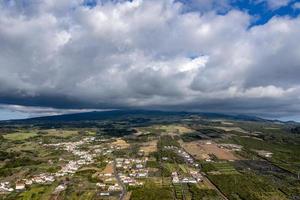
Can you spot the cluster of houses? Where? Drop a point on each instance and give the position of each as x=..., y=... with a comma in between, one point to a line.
x=188, y=159
x=107, y=189
x=72, y=166
x=131, y=170
x=231, y=147
x=110, y=183
x=21, y=184
x=5, y=187
x=128, y=180
x=264, y=153
x=84, y=158
x=194, y=178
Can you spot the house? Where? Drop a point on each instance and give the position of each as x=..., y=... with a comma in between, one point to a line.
x=139, y=166
x=115, y=187
x=165, y=158
x=20, y=186
x=175, y=179
x=59, y=188
x=5, y=187
x=101, y=185
x=28, y=182
x=104, y=194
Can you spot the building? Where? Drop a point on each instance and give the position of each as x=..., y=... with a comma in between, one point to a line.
x=20, y=186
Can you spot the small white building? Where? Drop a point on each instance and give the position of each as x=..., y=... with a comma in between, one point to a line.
x=20, y=186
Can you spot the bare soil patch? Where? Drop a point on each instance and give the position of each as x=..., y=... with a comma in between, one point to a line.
x=202, y=149
x=109, y=169
x=149, y=147
x=121, y=143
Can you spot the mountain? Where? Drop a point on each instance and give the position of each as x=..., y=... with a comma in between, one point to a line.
x=118, y=114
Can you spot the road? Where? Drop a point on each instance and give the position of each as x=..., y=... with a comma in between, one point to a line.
x=213, y=186
x=123, y=194
x=208, y=182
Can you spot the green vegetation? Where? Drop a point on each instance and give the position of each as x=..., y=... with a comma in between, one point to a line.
x=25, y=153
x=152, y=192
x=19, y=136
x=189, y=137
x=167, y=140
x=152, y=164
x=285, y=155
x=36, y=193
x=221, y=167
x=203, y=194
x=246, y=186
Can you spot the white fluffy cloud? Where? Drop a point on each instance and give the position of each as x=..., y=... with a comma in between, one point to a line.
x=296, y=5
x=275, y=4
x=146, y=53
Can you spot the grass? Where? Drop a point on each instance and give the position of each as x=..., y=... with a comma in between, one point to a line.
x=37, y=193
x=19, y=136
x=221, y=167
x=246, y=186
x=91, y=133
x=62, y=133
x=183, y=168
x=88, y=195
x=286, y=156
x=151, y=191
x=171, y=167
x=175, y=129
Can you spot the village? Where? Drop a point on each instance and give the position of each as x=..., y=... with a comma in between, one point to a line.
x=194, y=175
x=84, y=158
x=117, y=167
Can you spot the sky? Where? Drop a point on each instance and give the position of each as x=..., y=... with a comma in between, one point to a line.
x=225, y=56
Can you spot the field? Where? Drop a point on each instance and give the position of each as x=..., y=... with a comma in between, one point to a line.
x=109, y=169
x=149, y=147
x=61, y=133
x=225, y=128
x=250, y=187
x=219, y=168
x=20, y=136
x=202, y=150
x=286, y=156
x=157, y=158
x=121, y=143
x=174, y=129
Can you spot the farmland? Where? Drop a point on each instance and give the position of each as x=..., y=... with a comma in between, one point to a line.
x=19, y=136
x=165, y=158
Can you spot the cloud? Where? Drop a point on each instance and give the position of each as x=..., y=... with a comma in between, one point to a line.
x=296, y=5
x=146, y=54
x=277, y=3
x=206, y=5
x=274, y=4
x=36, y=111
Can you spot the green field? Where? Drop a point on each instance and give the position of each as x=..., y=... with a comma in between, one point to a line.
x=151, y=191
x=62, y=133
x=246, y=186
x=285, y=154
x=19, y=136
x=36, y=192
x=221, y=167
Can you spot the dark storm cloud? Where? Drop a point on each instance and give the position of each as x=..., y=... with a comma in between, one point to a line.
x=147, y=54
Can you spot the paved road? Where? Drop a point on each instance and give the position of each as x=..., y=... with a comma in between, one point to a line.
x=205, y=179
x=123, y=194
